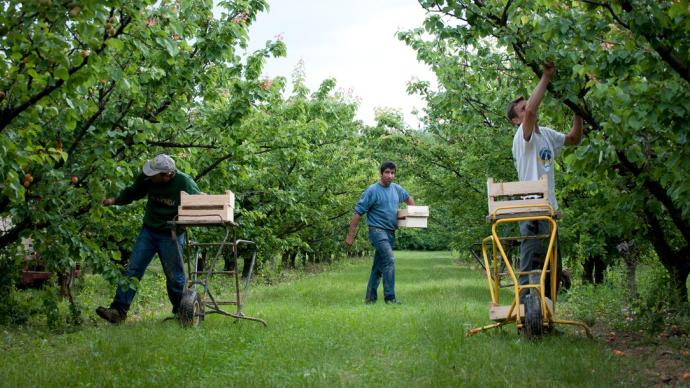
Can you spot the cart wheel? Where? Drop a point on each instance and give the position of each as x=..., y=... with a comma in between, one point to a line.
x=191, y=308
x=534, y=319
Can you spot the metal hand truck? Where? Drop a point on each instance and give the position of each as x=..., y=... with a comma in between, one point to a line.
x=197, y=299
x=535, y=313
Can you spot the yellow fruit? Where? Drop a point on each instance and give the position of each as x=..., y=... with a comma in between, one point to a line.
x=75, y=11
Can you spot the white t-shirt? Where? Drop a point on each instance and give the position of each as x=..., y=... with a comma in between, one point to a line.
x=535, y=158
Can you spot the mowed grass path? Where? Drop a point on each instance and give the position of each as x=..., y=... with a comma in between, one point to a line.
x=320, y=333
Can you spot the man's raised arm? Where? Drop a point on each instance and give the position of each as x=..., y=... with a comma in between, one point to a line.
x=574, y=137
x=532, y=106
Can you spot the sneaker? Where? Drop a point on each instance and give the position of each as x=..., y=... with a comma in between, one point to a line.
x=393, y=301
x=110, y=314
x=369, y=301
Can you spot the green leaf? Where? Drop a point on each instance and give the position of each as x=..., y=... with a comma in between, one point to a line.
x=168, y=45
x=115, y=44
x=61, y=73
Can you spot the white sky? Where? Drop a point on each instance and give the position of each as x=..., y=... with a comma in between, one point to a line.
x=352, y=41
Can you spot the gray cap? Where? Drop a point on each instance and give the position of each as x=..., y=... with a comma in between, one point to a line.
x=160, y=164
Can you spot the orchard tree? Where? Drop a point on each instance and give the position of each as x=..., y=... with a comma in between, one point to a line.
x=621, y=65
x=466, y=137
x=296, y=167
x=91, y=89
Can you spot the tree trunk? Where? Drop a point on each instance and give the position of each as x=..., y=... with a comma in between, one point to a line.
x=631, y=257
x=676, y=261
x=288, y=260
x=594, y=268
x=678, y=271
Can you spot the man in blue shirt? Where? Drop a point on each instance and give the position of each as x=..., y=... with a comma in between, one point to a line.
x=380, y=202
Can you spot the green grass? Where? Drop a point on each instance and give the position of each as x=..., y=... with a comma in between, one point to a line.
x=320, y=333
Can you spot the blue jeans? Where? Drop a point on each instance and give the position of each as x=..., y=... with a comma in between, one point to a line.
x=148, y=243
x=533, y=252
x=383, y=267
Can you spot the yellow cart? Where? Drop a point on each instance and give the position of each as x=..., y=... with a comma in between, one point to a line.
x=513, y=202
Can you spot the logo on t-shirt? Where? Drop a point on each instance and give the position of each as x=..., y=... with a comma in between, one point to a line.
x=546, y=158
x=163, y=201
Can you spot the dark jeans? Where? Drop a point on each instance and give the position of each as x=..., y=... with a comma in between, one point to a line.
x=384, y=266
x=148, y=243
x=533, y=253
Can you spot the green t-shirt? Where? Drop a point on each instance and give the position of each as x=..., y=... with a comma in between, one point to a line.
x=163, y=198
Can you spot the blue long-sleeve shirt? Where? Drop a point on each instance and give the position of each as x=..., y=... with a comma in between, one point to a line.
x=380, y=203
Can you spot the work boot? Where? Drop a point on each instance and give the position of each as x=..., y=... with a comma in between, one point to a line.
x=110, y=314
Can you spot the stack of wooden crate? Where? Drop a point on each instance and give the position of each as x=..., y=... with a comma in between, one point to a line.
x=413, y=217
x=207, y=207
x=518, y=199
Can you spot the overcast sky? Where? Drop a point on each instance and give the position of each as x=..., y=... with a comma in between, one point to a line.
x=352, y=41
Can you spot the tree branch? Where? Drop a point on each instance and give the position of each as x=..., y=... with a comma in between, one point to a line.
x=665, y=51
x=213, y=165
x=9, y=114
x=167, y=144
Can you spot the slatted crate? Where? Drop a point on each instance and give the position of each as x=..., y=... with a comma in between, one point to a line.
x=207, y=207
x=413, y=217
x=517, y=199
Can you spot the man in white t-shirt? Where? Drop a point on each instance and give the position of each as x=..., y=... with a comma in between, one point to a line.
x=534, y=151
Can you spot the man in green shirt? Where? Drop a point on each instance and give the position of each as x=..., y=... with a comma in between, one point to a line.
x=161, y=183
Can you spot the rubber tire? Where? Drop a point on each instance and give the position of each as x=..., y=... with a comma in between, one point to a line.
x=534, y=320
x=191, y=309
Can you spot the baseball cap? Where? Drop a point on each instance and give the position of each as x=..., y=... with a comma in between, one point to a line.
x=160, y=164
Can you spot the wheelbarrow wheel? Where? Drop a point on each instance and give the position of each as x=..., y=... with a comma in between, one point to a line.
x=191, y=308
x=534, y=319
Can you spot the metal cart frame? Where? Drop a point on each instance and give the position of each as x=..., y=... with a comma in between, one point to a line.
x=195, y=305
x=536, y=313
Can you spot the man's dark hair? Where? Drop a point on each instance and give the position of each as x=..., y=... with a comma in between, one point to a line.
x=385, y=165
x=511, y=113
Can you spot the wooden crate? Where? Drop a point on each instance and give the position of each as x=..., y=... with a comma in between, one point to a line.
x=413, y=217
x=206, y=207
x=524, y=194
